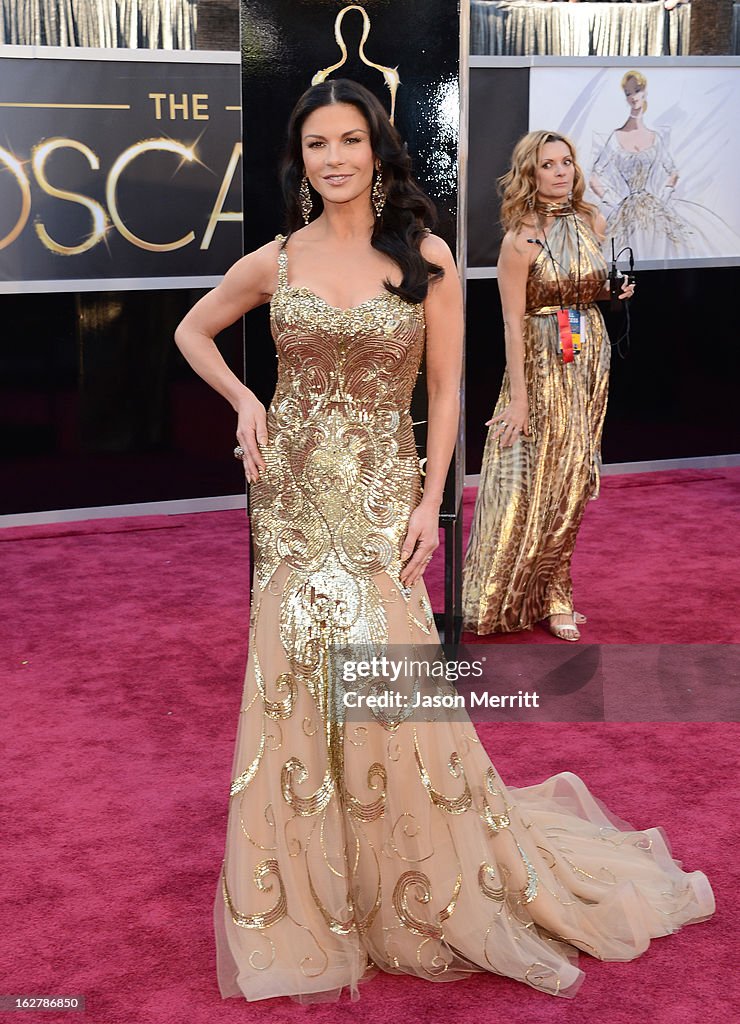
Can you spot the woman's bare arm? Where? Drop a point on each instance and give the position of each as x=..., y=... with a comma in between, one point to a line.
x=249, y=283
x=513, y=270
x=443, y=311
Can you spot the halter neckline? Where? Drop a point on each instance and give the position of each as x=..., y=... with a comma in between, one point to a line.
x=554, y=209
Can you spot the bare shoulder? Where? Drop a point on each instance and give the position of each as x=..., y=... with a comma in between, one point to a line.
x=257, y=270
x=515, y=247
x=436, y=250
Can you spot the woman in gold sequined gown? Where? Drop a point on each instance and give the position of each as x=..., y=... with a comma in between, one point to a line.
x=353, y=846
x=542, y=455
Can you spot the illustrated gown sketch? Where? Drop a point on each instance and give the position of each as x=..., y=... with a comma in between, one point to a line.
x=643, y=212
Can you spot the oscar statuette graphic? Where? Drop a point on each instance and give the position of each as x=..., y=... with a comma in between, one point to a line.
x=390, y=75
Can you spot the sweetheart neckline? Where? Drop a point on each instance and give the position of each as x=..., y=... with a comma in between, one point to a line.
x=634, y=152
x=340, y=309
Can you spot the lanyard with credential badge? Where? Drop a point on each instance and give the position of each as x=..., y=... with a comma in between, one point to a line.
x=569, y=320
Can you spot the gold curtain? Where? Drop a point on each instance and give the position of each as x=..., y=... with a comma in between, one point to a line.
x=145, y=24
x=522, y=27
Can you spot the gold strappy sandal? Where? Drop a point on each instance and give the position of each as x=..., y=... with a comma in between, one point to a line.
x=564, y=630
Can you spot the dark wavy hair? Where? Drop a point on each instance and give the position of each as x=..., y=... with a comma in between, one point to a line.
x=408, y=213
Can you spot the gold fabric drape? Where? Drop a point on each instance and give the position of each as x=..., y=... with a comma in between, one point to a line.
x=532, y=495
x=135, y=24
x=520, y=27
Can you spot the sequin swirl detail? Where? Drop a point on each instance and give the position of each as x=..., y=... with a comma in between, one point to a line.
x=342, y=468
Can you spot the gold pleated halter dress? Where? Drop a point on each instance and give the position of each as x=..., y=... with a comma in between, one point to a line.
x=364, y=845
x=532, y=495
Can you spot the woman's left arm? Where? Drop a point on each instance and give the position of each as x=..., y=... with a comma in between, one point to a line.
x=664, y=155
x=443, y=310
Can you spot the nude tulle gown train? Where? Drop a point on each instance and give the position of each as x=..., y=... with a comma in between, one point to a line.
x=359, y=845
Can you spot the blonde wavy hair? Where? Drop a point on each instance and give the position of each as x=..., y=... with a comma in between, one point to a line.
x=518, y=187
x=640, y=81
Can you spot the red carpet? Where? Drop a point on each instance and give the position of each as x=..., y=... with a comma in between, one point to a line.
x=657, y=561
x=124, y=654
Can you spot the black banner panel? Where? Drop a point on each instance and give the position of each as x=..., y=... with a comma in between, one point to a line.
x=411, y=63
x=118, y=172
x=409, y=60
x=499, y=116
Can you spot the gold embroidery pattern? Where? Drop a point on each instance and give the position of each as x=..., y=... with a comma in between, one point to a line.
x=495, y=822
x=374, y=810
x=280, y=708
x=340, y=834
x=423, y=894
x=304, y=806
x=239, y=784
x=454, y=805
x=541, y=976
x=531, y=888
x=491, y=892
x=270, y=917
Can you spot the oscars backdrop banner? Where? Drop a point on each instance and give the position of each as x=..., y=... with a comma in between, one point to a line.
x=118, y=169
x=656, y=139
x=410, y=58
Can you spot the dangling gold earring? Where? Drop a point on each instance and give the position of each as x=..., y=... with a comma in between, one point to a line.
x=304, y=197
x=377, y=196
x=530, y=203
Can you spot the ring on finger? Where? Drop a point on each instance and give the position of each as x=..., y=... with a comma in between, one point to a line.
x=239, y=452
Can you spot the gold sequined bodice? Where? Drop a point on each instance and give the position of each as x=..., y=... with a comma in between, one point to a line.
x=570, y=268
x=342, y=468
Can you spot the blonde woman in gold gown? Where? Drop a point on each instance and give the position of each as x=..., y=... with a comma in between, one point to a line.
x=542, y=455
x=357, y=846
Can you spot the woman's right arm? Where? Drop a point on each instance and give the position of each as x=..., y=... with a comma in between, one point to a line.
x=597, y=187
x=601, y=172
x=513, y=271
x=249, y=283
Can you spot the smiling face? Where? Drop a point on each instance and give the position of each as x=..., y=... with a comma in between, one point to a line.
x=337, y=154
x=635, y=96
x=555, y=172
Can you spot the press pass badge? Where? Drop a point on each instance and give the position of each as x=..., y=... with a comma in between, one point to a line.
x=569, y=328
x=577, y=329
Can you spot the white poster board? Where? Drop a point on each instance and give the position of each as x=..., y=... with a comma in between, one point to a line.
x=674, y=198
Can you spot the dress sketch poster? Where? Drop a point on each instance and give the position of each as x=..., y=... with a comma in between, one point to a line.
x=660, y=149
